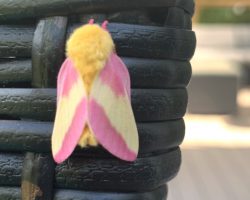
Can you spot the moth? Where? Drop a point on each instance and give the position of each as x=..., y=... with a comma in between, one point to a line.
x=93, y=97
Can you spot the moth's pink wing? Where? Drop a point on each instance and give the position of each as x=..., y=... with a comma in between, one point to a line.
x=71, y=114
x=110, y=113
x=123, y=72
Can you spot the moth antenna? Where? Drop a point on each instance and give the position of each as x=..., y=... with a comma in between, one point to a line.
x=91, y=21
x=104, y=24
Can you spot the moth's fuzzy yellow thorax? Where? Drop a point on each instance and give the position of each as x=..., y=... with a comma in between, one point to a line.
x=89, y=47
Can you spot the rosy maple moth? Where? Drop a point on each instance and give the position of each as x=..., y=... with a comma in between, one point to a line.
x=93, y=98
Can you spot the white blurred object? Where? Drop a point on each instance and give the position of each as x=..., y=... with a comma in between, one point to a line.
x=214, y=131
x=231, y=42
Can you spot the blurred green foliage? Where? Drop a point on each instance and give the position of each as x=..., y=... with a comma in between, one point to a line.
x=225, y=15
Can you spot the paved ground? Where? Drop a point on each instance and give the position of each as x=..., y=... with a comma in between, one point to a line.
x=216, y=151
x=212, y=174
x=216, y=161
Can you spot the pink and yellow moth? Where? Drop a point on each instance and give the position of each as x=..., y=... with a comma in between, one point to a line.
x=93, y=98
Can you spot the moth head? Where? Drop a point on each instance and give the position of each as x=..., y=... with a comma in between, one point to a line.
x=90, y=44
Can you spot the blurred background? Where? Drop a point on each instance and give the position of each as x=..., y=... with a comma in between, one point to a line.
x=216, y=150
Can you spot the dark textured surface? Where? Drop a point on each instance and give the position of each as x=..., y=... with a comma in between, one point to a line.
x=141, y=17
x=158, y=194
x=10, y=169
x=27, y=103
x=15, y=72
x=47, y=56
x=144, y=73
x=22, y=136
x=37, y=177
x=150, y=73
x=173, y=16
x=160, y=136
x=10, y=193
x=116, y=175
x=20, y=9
x=14, y=193
x=148, y=105
x=25, y=136
x=178, y=18
x=151, y=41
x=97, y=17
x=130, y=40
x=48, y=51
x=16, y=41
x=158, y=105
x=93, y=173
